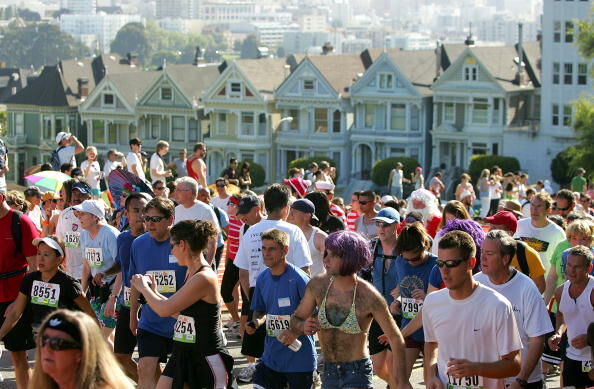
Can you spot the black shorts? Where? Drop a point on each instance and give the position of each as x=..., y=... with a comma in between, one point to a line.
x=573, y=375
x=253, y=345
x=20, y=338
x=412, y=343
x=198, y=371
x=245, y=306
x=548, y=355
x=270, y=379
x=217, y=258
x=230, y=280
x=375, y=331
x=152, y=345
x=125, y=341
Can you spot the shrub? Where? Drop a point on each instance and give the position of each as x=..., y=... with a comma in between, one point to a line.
x=561, y=169
x=303, y=163
x=480, y=162
x=381, y=169
x=256, y=172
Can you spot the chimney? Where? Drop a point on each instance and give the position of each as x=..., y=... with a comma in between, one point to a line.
x=198, y=56
x=437, y=60
x=287, y=69
x=469, y=39
x=327, y=48
x=132, y=59
x=520, y=73
x=83, y=87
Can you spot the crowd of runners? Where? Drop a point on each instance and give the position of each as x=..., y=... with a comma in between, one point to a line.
x=493, y=289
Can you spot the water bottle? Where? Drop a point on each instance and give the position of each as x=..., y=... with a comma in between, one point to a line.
x=295, y=346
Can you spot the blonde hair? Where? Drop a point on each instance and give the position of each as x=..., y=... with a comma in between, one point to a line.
x=98, y=367
x=485, y=173
x=277, y=236
x=161, y=145
x=91, y=148
x=580, y=227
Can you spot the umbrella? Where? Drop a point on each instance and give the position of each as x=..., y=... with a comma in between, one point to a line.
x=121, y=183
x=48, y=180
x=231, y=189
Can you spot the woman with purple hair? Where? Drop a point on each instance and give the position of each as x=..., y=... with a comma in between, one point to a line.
x=347, y=304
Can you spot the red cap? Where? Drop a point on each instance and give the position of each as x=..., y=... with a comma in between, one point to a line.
x=504, y=218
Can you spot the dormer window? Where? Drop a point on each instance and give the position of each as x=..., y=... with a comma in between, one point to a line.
x=108, y=99
x=309, y=86
x=235, y=89
x=470, y=72
x=166, y=94
x=386, y=80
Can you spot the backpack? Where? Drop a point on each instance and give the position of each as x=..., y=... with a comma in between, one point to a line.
x=55, y=159
x=521, y=254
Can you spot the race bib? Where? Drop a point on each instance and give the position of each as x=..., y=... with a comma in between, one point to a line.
x=165, y=280
x=94, y=256
x=411, y=307
x=586, y=366
x=185, y=329
x=44, y=293
x=276, y=324
x=126, y=296
x=471, y=382
x=72, y=239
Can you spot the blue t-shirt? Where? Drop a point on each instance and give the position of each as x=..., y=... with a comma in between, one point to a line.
x=435, y=278
x=125, y=240
x=223, y=220
x=384, y=281
x=101, y=251
x=410, y=278
x=149, y=255
x=280, y=295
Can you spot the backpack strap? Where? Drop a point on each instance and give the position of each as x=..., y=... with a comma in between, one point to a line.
x=521, y=254
x=17, y=234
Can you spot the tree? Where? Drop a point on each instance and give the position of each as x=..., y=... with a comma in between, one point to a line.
x=38, y=44
x=561, y=166
x=381, y=169
x=133, y=38
x=3, y=123
x=249, y=47
x=480, y=162
x=28, y=15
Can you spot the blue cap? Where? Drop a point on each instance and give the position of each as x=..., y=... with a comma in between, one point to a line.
x=247, y=203
x=388, y=215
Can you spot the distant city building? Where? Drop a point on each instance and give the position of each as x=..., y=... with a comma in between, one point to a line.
x=271, y=34
x=185, y=9
x=355, y=45
x=504, y=28
x=409, y=41
x=82, y=7
x=296, y=42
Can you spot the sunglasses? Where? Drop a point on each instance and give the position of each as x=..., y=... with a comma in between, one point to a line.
x=159, y=188
x=59, y=344
x=154, y=219
x=364, y=202
x=450, y=263
x=382, y=224
x=231, y=204
x=221, y=186
x=556, y=208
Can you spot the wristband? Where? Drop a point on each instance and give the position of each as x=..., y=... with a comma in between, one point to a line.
x=523, y=383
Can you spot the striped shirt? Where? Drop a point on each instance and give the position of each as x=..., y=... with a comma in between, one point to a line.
x=338, y=212
x=352, y=220
x=235, y=226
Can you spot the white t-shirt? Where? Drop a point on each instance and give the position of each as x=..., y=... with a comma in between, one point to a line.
x=480, y=328
x=66, y=155
x=158, y=165
x=495, y=191
x=68, y=229
x=544, y=240
x=35, y=216
x=198, y=211
x=530, y=311
x=249, y=254
x=92, y=178
x=221, y=203
x=133, y=159
x=110, y=166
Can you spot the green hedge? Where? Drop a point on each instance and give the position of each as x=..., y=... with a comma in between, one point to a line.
x=256, y=172
x=303, y=163
x=561, y=169
x=381, y=169
x=480, y=162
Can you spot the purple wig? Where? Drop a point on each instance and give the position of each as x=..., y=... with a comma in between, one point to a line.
x=471, y=227
x=352, y=248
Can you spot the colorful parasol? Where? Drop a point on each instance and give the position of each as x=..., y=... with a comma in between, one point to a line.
x=48, y=180
x=121, y=183
x=231, y=189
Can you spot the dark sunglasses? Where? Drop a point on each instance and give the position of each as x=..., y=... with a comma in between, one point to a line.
x=59, y=344
x=221, y=186
x=364, y=202
x=382, y=224
x=154, y=219
x=450, y=263
x=159, y=188
x=556, y=208
x=55, y=201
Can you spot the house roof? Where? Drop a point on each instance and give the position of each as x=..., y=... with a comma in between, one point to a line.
x=193, y=80
x=12, y=78
x=416, y=65
x=341, y=71
x=266, y=74
x=132, y=86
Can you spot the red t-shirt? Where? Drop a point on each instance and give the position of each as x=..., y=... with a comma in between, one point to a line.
x=432, y=225
x=352, y=220
x=235, y=226
x=9, y=287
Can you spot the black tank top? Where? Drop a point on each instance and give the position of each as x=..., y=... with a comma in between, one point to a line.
x=207, y=320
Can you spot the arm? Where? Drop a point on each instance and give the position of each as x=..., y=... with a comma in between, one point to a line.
x=199, y=167
x=12, y=315
x=550, y=284
x=134, y=308
x=31, y=170
x=84, y=305
x=211, y=250
x=430, y=366
x=244, y=281
x=301, y=321
x=32, y=261
x=531, y=357
x=78, y=146
x=390, y=178
x=86, y=272
x=258, y=318
x=110, y=306
x=560, y=326
x=540, y=283
x=507, y=366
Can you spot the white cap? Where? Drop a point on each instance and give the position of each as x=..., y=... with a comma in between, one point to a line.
x=323, y=185
x=94, y=207
x=50, y=242
x=62, y=135
x=387, y=198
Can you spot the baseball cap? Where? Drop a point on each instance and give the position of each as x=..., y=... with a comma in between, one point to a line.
x=305, y=206
x=322, y=185
x=504, y=218
x=50, y=196
x=50, y=242
x=387, y=198
x=62, y=135
x=299, y=184
x=388, y=215
x=247, y=203
x=82, y=187
x=94, y=207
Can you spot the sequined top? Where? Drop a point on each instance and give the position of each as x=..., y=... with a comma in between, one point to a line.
x=350, y=325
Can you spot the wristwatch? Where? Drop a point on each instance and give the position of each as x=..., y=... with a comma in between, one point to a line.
x=522, y=382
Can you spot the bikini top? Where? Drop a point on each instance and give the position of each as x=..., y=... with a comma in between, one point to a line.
x=350, y=325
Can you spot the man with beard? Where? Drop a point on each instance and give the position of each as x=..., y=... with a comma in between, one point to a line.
x=424, y=202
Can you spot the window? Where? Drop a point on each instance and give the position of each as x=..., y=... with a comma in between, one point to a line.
x=386, y=80
x=308, y=86
x=568, y=32
x=568, y=73
x=47, y=127
x=178, y=128
x=414, y=118
x=262, y=124
x=555, y=115
x=166, y=94
x=235, y=89
x=556, y=72
x=247, y=123
x=480, y=111
x=321, y=120
x=398, y=117
x=397, y=151
x=192, y=130
x=336, y=121
x=470, y=72
x=479, y=149
x=59, y=124
x=222, y=128
x=567, y=115
x=294, y=124
x=98, y=131
x=556, y=31
x=582, y=74
x=496, y=111
x=449, y=112
x=108, y=99
x=369, y=115
x=112, y=133
x=19, y=124
x=155, y=127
